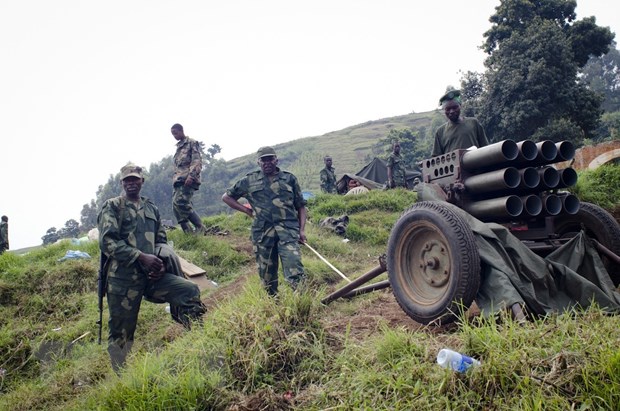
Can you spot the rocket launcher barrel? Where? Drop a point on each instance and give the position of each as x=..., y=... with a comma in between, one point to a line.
x=532, y=205
x=498, y=180
x=501, y=208
x=568, y=177
x=491, y=155
x=570, y=203
x=549, y=178
x=565, y=151
x=552, y=204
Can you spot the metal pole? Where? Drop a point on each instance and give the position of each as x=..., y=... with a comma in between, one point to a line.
x=359, y=281
x=327, y=262
x=368, y=288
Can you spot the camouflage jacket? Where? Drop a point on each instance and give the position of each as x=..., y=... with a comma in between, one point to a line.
x=187, y=162
x=328, y=180
x=398, y=168
x=122, y=241
x=275, y=204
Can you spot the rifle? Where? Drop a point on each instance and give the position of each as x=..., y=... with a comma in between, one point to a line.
x=102, y=283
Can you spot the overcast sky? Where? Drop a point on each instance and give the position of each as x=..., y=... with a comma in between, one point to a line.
x=86, y=86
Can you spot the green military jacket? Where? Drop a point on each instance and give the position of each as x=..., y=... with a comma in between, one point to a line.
x=468, y=132
x=187, y=162
x=328, y=180
x=275, y=204
x=125, y=230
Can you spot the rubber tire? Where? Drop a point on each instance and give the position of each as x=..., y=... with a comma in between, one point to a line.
x=599, y=225
x=448, y=283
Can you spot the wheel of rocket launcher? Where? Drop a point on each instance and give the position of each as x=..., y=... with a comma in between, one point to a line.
x=599, y=225
x=433, y=263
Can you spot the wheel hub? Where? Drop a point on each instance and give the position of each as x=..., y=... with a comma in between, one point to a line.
x=434, y=263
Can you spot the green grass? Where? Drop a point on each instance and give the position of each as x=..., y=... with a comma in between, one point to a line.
x=254, y=352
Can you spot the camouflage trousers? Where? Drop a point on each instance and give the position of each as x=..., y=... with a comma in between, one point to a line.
x=124, y=297
x=267, y=254
x=182, y=202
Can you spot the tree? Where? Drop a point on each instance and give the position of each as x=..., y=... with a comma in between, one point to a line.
x=535, y=50
x=51, y=236
x=88, y=216
x=70, y=230
x=602, y=75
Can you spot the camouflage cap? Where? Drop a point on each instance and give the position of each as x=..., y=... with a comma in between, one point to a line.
x=451, y=95
x=266, y=151
x=131, y=170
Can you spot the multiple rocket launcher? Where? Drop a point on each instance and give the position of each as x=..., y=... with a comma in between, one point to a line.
x=506, y=180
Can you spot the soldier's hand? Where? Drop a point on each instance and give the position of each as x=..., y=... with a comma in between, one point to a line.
x=156, y=275
x=151, y=262
x=302, y=237
x=189, y=181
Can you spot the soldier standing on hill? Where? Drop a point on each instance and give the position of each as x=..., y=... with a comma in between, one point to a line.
x=130, y=229
x=4, y=234
x=395, y=168
x=279, y=213
x=459, y=132
x=328, y=177
x=186, y=180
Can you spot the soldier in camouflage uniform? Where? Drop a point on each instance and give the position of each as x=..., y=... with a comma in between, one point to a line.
x=279, y=213
x=186, y=179
x=396, y=168
x=4, y=234
x=129, y=231
x=328, y=177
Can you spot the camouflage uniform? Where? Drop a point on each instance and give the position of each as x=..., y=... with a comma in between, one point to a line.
x=395, y=161
x=275, y=229
x=122, y=241
x=4, y=236
x=328, y=180
x=187, y=162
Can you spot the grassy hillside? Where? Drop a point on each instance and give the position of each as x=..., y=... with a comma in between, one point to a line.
x=351, y=148
x=255, y=353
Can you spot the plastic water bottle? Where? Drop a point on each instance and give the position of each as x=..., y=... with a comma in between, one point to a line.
x=455, y=361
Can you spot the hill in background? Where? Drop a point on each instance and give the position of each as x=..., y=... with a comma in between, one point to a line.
x=351, y=148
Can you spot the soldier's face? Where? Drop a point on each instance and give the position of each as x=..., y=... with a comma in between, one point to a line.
x=132, y=186
x=453, y=111
x=268, y=164
x=177, y=134
x=328, y=162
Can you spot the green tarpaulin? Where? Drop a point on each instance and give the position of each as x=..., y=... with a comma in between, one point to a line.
x=572, y=276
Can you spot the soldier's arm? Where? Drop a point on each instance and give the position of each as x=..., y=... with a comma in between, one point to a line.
x=110, y=241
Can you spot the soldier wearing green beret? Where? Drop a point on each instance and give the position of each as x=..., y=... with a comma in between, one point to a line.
x=186, y=180
x=279, y=213
x=328, y=177
x=130, y=231
x=458, y=132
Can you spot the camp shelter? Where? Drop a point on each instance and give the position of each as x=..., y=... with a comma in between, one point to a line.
x=372, y=176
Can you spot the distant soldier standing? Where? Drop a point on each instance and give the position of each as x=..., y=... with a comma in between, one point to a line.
x=4, y=234
x=130, y=230
x=328, y=177
x=458, y=132
x=186, y=179
x=395, y=168
x=279, y=213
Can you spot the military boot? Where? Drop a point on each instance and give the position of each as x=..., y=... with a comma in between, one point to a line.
x=197, y=222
